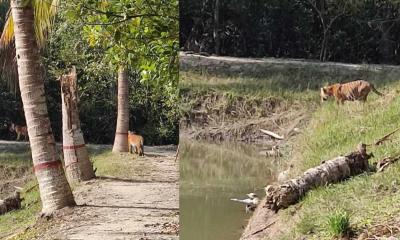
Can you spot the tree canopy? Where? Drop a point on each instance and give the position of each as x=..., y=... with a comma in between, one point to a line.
x=97, y=37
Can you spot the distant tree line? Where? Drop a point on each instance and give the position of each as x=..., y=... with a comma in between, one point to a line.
x=359, y=31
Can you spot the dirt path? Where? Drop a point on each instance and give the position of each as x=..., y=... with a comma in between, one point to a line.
x=255, y=66
x=145, y=206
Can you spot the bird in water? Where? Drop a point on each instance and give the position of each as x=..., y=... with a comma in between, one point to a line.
x=251, y=202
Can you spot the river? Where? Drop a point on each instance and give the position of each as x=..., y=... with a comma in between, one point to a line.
x=211, y=174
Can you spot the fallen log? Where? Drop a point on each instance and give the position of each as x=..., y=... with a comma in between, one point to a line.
x=10, y=203
x=335, y=170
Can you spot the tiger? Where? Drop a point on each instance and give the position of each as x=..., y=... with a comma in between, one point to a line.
x=135, y=143
x=351, y=91
x=19, y=130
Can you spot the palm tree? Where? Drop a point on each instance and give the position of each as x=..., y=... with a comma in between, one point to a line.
x=27, y=19
x=121, y=132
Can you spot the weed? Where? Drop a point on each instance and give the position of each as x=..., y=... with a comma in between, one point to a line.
x=338, y=223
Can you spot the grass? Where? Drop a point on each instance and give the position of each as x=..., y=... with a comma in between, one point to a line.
x=338, y=223
x=334, y=130
x=12, y=159
x=15, y=221
x=112, y=164
x=256, y=88
x=293, y=85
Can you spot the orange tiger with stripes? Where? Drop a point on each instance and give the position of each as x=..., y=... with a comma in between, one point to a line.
x=20, y=131
x=351, y=91
x=135, y=143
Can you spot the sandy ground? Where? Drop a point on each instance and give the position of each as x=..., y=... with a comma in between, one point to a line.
x=145, y=206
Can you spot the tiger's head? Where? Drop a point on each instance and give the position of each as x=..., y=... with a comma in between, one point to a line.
x=327, y=92
x=324, y=94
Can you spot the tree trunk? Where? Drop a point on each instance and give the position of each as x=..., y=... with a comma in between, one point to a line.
x=121, y=133
x=217, y=39
x=55, y=191
x=322, y=54
x=76, y=158
x=335, y=170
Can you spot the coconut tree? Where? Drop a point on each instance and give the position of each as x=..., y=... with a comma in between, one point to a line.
x=138, y=36
x=121, y=133
x=27, y=23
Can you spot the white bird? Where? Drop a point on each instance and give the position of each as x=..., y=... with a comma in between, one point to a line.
x=251, y=202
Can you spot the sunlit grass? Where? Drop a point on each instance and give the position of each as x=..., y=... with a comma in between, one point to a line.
x=335, y=130
x=338, y=223
x=18, y=220
x=112, y=164
x=254, y=88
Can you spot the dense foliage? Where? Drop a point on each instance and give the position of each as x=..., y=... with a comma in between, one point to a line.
x=85, y=37
x=328, y=30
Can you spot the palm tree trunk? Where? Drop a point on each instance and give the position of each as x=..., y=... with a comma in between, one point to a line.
x=55, y=191
x=76, y=158
x=121, y=133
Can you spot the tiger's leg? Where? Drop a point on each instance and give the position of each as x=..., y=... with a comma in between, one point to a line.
x=364, y=98
x=18, y=136
x=141, y=152
x=339, y=101
x=130, y=148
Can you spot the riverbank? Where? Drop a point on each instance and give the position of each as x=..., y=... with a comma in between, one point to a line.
x=370, y=200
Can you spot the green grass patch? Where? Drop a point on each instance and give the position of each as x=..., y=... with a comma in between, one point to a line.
x=16, y=220
x=338, y=223
x=16, y=157
x=119, y=165
x=369, y=198
x=255, y=88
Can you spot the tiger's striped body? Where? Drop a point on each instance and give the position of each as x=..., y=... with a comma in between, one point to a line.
x=351, y=91
x=135, y=143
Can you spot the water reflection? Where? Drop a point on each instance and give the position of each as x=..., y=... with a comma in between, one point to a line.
x=211, y=174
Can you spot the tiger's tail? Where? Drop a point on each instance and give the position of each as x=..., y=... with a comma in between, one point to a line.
x=375, y=91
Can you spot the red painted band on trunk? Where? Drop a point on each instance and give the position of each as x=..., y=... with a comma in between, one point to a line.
x=73, y=146
x=121, y=133
x=45, y=165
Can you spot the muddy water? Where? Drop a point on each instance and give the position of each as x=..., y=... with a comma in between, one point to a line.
x=211, y=174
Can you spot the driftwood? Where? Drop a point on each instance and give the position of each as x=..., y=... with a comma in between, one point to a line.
x=272, y=134
x=335, y=170
x=10, y=203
